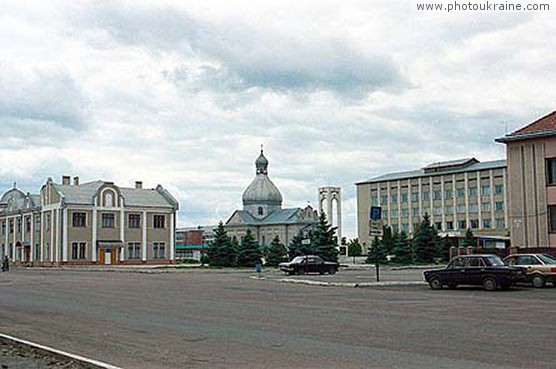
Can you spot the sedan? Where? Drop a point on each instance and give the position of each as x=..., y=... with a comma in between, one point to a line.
x=308, y=264
x=541, y=268
x=488, y=271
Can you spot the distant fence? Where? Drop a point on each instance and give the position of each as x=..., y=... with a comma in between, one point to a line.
x=456, y=251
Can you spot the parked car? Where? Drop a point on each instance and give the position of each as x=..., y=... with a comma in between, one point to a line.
x=541, y=268
x=309, y=264
x=486, y=270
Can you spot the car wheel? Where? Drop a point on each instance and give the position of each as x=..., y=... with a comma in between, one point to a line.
x=452, y=286
x=435, y=283
x=490, y=284
x=332, y=271
x=538, y=281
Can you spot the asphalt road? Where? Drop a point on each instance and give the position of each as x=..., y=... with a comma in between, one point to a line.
x=222, y=319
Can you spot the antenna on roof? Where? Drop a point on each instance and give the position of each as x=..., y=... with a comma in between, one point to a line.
x=15, y=184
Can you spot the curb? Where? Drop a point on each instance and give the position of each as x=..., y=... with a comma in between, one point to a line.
x=90, y=363
x=352, y=284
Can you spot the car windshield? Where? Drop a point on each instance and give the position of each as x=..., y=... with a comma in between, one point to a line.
x=298, y=259
x=547, y=259
x=494, y=260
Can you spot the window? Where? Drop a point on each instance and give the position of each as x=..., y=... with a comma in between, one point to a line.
x=499, y=205
x=394, y=213
x=551, y=171
x=461, y=209
x=109, y=199
x=460, y=192
x=474, y=223
x=134, y=220
x=438, y=225
x=37, y=252
x=449, y=225
x=404, y=197
x=383, y=200
x=472, y=191
x=260, y=210
x=426, y=196
x=133, y=250
x=500, y=223
x=78, y=250
x=415, y=212
x=374, y=200
x=79, y=219
x=473, y=208
x=449, y=210
x=487, y=223
x=159, y=221
x=498, y=189
x=448, y=194
x=485, y=206
x=394, y=199
x=462, y=224
x=552, y=218
x=527, y=260
x=414, y=197
x=108, y=220
x=3, y=229
x=395, y=228
x=485, y=190
x=37, y=222
x=18, y=225
x=28, y=224
x=384, y=214
x=47, y=221
x=159, y=249
x=405, y=227
x=405, y=213
x=437, y=210
x=438, y=195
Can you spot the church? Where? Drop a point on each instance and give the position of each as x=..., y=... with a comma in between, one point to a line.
x=263, y=214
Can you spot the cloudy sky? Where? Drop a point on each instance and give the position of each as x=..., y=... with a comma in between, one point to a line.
x=183, y=93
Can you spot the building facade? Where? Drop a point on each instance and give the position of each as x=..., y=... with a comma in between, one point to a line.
x=531, y=153
x=193, y=242
x=263, y=214
x=90, y=223
x=457, y=195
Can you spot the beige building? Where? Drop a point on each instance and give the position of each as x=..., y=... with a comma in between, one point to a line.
x=263, y=214
x=457, y=195
x=531, y=153
x=90, y=223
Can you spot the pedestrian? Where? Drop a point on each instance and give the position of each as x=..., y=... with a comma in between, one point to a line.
x=5, y=264
x=258, y=268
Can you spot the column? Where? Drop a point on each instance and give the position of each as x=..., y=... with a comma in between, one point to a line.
x=52, y=244
x=491, y=184
x=420, y=184
x=94, y=235
x=173, y=233
x=443, y=202
x=399, y=206
x=32, y=238
x=504, y=181
x=14, y=238
x=455, y=202
x=466, y=187
x=122, y=234
x=388, y=201
x=7, y=243
x=65, y=235
x=479, y=200
x=144, y=237
x=57, y=256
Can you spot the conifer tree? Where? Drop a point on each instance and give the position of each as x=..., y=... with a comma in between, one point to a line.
x=402, y=250
x=298, y=248
x=249, y=252
x=354, y=247
x=277, y=253
x=376, y=254
x=469, y=239
x=426, y=241
x=222, y=252
x=324, y=240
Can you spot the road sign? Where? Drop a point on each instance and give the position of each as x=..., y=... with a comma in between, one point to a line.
x=306, y=241
x=375, y=213
x=375, y=228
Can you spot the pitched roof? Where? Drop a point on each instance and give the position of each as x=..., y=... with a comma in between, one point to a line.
x=542, y=127
x=278, y=217
x=140, y=197
x=422, y=173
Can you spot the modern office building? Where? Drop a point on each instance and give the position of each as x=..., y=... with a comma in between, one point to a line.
x=531, y=153
x=89, y=223
x=193, y=242
x=263, y=214
x=457, y=195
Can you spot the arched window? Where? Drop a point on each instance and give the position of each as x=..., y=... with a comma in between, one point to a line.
x=261, y=211
x=109, y=199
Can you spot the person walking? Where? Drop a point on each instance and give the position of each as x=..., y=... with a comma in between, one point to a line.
x=5, y=264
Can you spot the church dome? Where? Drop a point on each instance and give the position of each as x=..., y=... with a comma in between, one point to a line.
x=262, y=191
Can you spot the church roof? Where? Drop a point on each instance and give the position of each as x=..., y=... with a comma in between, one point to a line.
x=282, y=216
x=262, y=190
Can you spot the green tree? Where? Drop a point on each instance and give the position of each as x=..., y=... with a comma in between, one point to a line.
x=388, y=240
x=249, y=252
x=376, y=254
x=402, y=250
x=426, y=241
x=469, y=239
x=324, y=240
x=277, y=252
x=222, y=252
x=298, y=246
x=354, y=247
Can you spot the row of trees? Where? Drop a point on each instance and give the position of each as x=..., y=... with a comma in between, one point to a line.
x=227, y=252
x=426, y=245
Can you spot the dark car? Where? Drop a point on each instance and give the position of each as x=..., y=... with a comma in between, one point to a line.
x=541, y=268
x=488, y=271
x=309, y=264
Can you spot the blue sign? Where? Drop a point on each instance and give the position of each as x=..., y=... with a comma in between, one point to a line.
x=376, y=213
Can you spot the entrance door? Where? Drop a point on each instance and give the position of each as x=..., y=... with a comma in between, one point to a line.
x=101, y=256
x=114, y=256
x=107, y=257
